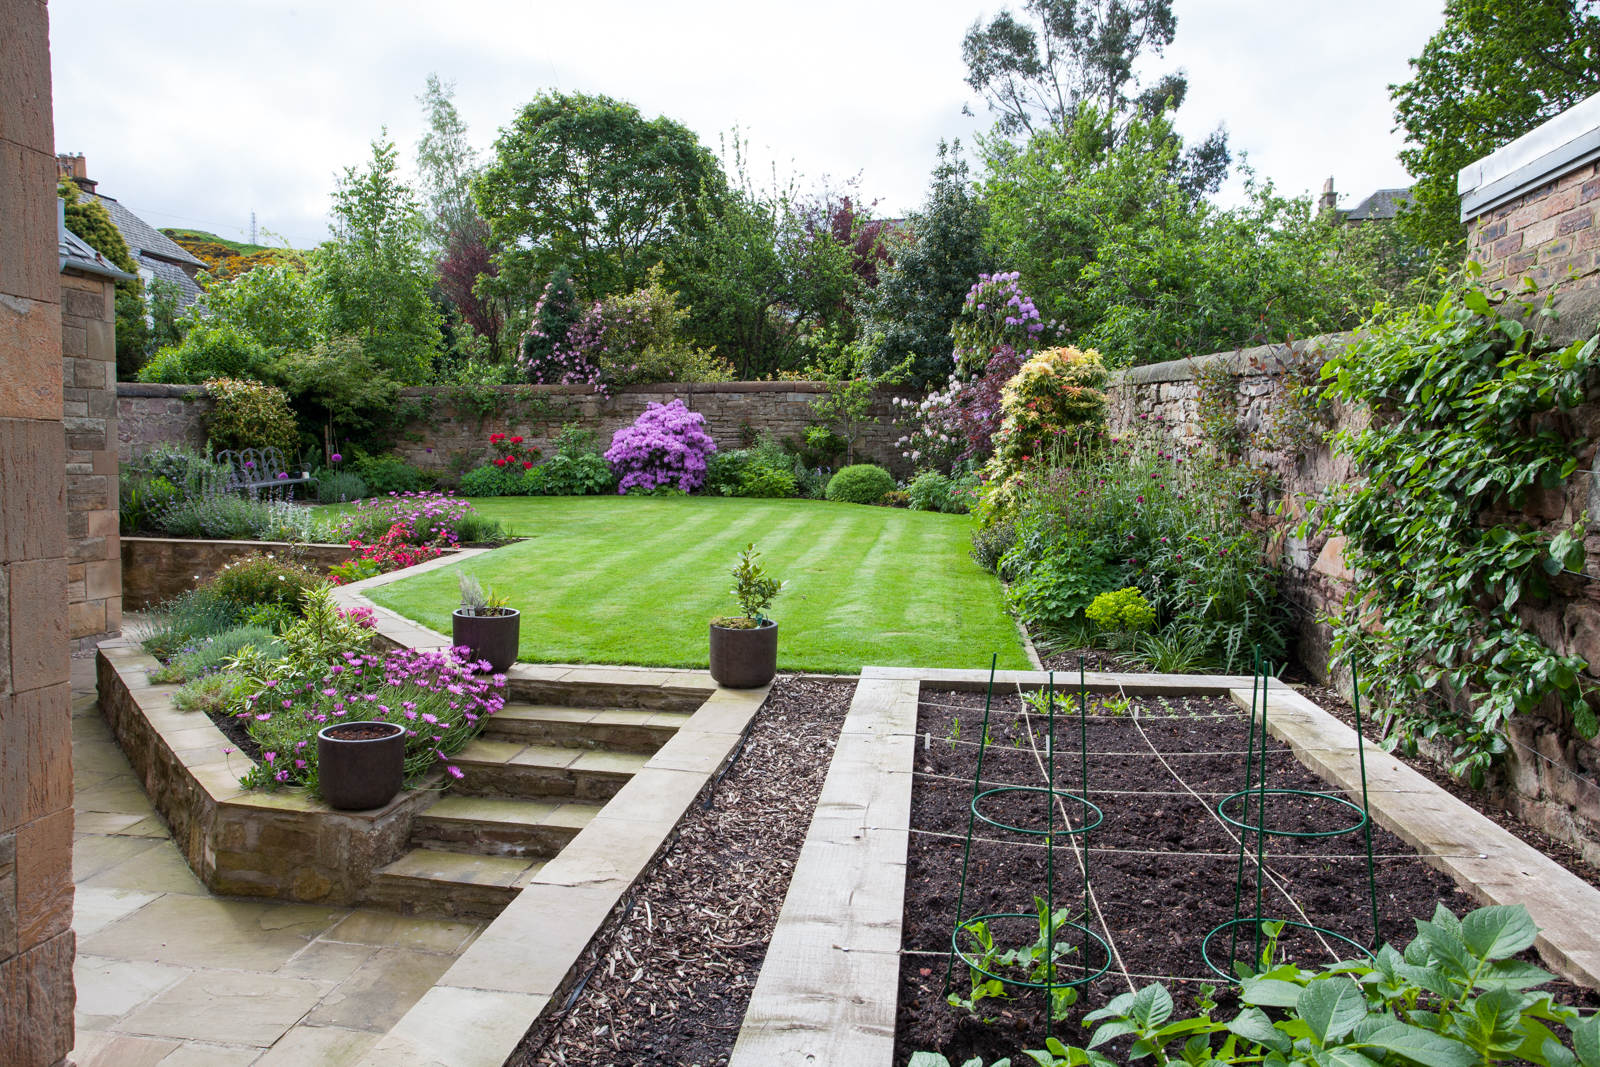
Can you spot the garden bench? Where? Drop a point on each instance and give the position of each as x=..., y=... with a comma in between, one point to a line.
x=259, y=468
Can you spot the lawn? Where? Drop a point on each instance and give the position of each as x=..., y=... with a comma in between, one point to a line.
x=636, y=579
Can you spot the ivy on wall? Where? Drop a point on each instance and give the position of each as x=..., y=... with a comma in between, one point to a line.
x=1462, y=398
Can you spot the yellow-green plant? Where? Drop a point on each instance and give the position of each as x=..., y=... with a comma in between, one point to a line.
x=1122, y=611
x=1045, y=407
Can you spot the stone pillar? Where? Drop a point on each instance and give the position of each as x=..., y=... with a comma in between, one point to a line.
x=89, y=374
x=36, y=941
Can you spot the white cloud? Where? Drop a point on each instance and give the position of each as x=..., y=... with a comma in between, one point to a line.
x=196, y=113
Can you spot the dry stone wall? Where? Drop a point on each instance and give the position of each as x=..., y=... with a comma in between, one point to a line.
x=150, y=414
x=1550, y=777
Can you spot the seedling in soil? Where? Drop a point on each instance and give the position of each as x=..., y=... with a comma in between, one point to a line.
x=955, y=731
x=1051, y=943
x=1039, y=701
x=1116, y=706
x=983, y=987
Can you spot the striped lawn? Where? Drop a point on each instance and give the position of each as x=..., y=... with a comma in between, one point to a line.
x=635, y=579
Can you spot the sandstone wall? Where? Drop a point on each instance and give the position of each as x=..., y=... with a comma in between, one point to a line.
x=448, y=436
x=1547, y=234
x=36, y=940
x=157, y=569
x=89, y=375
x=1549, y=776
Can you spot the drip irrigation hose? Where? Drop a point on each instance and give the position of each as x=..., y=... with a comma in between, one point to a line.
x=738, y=750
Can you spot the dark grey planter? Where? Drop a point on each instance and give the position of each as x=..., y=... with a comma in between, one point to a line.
x=358, y=774
x=744, y=659
x=490, y=637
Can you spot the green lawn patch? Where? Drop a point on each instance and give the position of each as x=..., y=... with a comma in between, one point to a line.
x=637, y=579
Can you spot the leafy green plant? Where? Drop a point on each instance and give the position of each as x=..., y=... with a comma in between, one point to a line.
x=860, y=484
x=248, y=414
x=492, y=481
x=217, y=693
x=982, y=944
x=477, y=528
x=1039, y=962
x=340, y=487
x=1124, y=610
x=766, y=482
x=142, y=500
x=390, y=474
x=355, y=570
x=752, y=586
x=206, y=655
x=186, y=618
x=1178, y=649
x=1465, y=436
x=256, y=579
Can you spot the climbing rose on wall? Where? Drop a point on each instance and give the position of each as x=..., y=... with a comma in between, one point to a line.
x=667, y=445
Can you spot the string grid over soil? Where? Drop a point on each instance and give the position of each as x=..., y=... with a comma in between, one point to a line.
x=1162, y=864
x=672, y=979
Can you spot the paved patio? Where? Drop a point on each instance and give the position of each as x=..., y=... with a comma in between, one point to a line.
x=169, y=974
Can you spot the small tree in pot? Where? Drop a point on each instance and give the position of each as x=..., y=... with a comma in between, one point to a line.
x=744, y=648
x=484, y=624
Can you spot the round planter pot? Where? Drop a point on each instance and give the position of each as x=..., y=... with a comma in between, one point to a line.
x=491, y=637
x=744, y=659
x=361, y=765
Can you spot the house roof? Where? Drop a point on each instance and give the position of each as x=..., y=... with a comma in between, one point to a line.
x=1383, y=204
x=76, y=254
x=188, y=290
x=143, y=239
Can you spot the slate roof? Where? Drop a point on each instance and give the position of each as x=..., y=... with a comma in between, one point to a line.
x=76, y=254
x=188, y=289
x=1383, y=204
x=143, y=239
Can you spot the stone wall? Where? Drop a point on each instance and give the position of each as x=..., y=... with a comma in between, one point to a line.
x=1547, y=234
x=89, y=374
x=150, y=414
x=157, y=569
x=36, y=940
x=449, y=438
x=1549, y=775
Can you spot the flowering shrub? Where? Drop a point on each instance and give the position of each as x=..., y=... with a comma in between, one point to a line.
x=517, y=454
x=1052, y=396
x=428, y=518
x=439, y=696
x=395, y=550
x=258, y=579
x=666, y=446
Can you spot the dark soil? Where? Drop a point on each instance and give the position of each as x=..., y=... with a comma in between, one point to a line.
x=234, y=730
x=672, y=979
x=1163, y=867
x=362, y=732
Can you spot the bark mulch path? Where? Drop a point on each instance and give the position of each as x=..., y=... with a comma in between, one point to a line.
x=675, y=975
x=1163, y=866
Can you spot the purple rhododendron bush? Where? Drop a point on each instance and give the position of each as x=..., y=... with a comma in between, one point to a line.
x=666, y=447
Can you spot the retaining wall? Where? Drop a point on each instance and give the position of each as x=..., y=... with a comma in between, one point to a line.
x=156, y=569
x=156, y=414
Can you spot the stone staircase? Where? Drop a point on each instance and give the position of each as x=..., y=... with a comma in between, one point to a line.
x=535, y=778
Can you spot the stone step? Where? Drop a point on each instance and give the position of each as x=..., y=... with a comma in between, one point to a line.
x=497, y=826
x=427, y=882
x=522, y=771
x=609, y=729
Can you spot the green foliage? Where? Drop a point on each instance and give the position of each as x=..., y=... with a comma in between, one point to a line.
x=1178, y=649
x=759, y=481
x=231, y=517
x=585, y=474
x=209, y=350
x=1465, y=391
x=218, y=693
x=1055, y=399
x=321, y=637
x=276, y=305
x=1217, y=405
x=374, y=276
x=391, y=474
x=1124, y=259
x=764, y=276
x=637, y=338
x=475, y=528
x=89, y=219
x=1128, y=513
x=188, y=618
x=860, y=484
x=1491, y=74
x=340, y=487
x=492, y=481
x=247, y=414
x=764, y=470
x=206, y=655
x=355, y=570
x=932, y=491
x=1124, y=610
x=935, y=259
x=752, y=586
x=142, y=500
x=261, y=579
x=588, y=183
x=1039, y=962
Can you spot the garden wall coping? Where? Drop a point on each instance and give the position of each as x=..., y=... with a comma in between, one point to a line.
x=1485, y=859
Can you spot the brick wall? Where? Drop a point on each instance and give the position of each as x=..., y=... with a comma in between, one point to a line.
x=89, y=407
x=1547, y=234
x=36, y=940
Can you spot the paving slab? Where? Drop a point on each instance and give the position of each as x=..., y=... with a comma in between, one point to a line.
x=95, y=1049
x=382, y=990
x=387, y=930
x=323, y=1046
x=204, y=931
x=457, y=1028
x=108, y=989
x=224, y=1006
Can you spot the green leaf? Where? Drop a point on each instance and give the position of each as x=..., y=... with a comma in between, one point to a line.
x=1253, y=1025
x=1347, y=1057
x=1498, y=931
x=1269, y=992
x=929, y=1059
x=1151, y=1007
x=1586, y=1040
x=1331, y=1007
x=1422, y=1046
x=1513, y=974
x=1111, y=1031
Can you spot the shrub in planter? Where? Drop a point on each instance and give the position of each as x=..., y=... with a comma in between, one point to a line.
x=744, y=648
x=667, y=445
x=862, y=483
x=485, y=625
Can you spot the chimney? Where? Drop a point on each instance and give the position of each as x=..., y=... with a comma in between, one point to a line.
x=75, y=167
x=1330, y=199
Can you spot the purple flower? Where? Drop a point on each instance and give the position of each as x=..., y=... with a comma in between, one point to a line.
x=337, y=458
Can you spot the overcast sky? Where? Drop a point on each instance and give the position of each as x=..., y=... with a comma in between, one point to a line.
x=195, y=113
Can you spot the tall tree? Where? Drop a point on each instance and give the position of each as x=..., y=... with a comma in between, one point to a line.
x=1494, y=72
x=589, y=183
x=936, y=257
x=375, y=274
x=446, y=163
x=1039, y=73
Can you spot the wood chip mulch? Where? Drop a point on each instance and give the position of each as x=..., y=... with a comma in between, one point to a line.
x=671, y=980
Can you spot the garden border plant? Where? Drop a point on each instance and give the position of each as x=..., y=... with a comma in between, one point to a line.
x=1465, y=402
